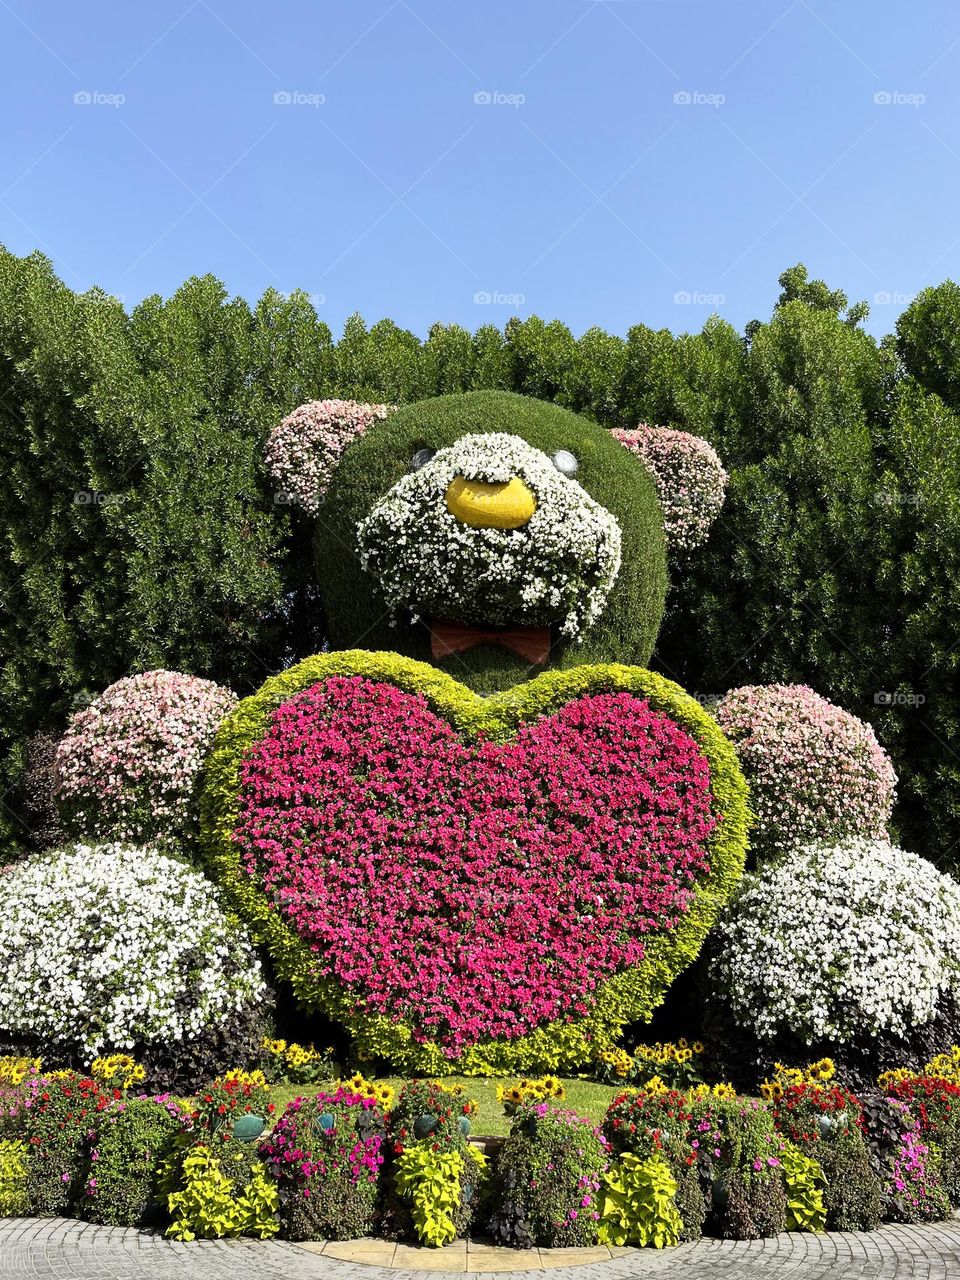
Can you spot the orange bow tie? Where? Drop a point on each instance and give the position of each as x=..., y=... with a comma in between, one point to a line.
x=530, y=643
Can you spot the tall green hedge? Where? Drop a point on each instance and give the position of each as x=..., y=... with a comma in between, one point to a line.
x=836, y=560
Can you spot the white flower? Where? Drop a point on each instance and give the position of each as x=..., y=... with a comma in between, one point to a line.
x=107, y=945
x=558, y=568
x=840, y=941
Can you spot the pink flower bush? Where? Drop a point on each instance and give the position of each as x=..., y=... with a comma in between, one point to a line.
x=302, y=451
x=128, y=765
x=326, y=1154
x=475, y=889
x=689, y=476
x=815, y=771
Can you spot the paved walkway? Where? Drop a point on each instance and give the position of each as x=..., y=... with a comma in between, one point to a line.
x=64, y=1249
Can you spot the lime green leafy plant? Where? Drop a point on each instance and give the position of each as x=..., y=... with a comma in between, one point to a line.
x=212, y=1195
x=14, y=1201
x=430, y=1180
x=805, y=1181
x=638, y=1203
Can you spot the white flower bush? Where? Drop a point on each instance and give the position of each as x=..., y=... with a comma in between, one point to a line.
x=815, y=771
x=302, y=451
x=557, y=568
x=109, y=946
x=839, y=941
x=128, y=765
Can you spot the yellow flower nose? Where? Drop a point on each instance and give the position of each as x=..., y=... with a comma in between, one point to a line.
x=490, y=506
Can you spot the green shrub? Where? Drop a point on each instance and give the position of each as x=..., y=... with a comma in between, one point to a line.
x=752, y=1207
x=638, y=1203
x=133, y=1138
x=221, y=1192
x=14, y=1166
x=851, y=1191
x=547, y=1180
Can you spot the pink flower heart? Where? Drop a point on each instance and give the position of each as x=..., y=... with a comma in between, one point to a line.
x=475, y=889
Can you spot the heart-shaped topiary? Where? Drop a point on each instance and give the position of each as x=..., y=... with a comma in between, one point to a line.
x=475, y=884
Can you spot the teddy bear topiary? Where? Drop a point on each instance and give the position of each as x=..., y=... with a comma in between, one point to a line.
x=477, y=831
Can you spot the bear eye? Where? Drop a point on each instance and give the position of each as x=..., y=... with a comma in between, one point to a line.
x=565, y=462
x=421, y=458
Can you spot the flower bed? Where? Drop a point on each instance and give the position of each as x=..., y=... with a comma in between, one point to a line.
x=665, y=1165
x=432, y=876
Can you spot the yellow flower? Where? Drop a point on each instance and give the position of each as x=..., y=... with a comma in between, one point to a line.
x=238, y=1075
x=697, y=1046
x=273, y=1046
x=118, y=1070
x=14, y=1069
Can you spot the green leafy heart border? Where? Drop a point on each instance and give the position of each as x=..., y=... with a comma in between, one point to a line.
x=564, y=1044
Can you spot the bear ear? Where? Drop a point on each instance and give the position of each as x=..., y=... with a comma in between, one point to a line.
x=303, y=450
x=689, y=476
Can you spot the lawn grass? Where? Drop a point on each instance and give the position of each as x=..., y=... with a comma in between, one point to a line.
x=585, y=1097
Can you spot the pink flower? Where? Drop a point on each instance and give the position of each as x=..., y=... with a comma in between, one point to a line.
x=477, y=890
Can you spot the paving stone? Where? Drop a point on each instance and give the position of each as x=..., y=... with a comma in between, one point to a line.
x=414, y=1258
x=491, y=1257
x=65, y=1249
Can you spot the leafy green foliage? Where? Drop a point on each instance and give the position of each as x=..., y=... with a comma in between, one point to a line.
x=430, y=1180
x=753, y=1207
x=852, y=1191
x=132, y=1140
x=14, y=1156
x=638, y=1203
x=928, y=341
x=804, y=1181
x=213, y=1194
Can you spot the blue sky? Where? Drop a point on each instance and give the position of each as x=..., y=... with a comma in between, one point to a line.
x=601, y=163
